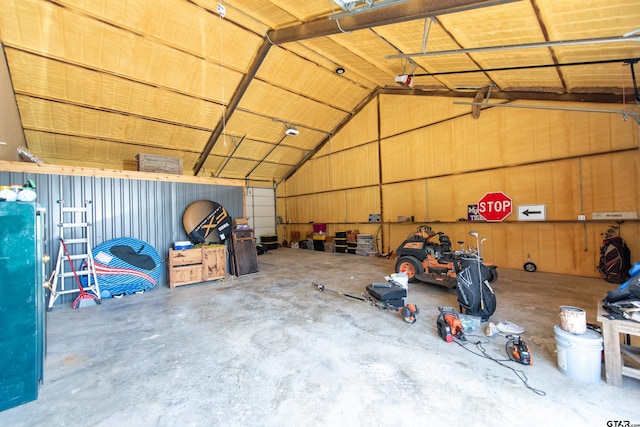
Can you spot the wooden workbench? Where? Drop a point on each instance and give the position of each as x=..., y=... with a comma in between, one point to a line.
x=614, y=350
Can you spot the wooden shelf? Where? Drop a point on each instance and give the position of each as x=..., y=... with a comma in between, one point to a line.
x=197, y=265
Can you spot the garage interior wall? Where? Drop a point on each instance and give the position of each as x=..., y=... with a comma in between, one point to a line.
x=428, y=158
x=147, y=210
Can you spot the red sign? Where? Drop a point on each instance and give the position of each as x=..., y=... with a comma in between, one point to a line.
x=495, y=207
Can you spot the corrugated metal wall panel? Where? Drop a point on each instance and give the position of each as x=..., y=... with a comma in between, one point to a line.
x=147, y=210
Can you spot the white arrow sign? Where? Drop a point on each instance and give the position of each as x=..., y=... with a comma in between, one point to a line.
x=532, y=213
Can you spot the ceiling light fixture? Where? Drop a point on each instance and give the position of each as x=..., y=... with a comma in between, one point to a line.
x=339, y=70
x=291, y=131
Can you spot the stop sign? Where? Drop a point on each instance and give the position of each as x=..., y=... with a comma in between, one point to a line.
x=495, y=207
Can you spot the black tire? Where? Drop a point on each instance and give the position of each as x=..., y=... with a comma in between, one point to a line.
x=530, y=267
x=411, y=266
x=493, y=273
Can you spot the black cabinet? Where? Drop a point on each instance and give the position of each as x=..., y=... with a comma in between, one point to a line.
x=244, y=256
x=22, y=303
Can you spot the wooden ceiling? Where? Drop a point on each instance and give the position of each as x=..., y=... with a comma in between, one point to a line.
x=99, y=81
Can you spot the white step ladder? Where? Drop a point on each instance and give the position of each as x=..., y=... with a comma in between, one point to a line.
x=74, y=227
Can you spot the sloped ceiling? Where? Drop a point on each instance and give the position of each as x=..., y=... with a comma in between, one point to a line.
x=99, y=81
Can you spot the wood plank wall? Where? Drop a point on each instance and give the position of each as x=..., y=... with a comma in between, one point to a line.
x=428, y=158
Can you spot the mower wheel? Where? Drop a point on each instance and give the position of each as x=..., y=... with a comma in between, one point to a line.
x=530, y=267
x=410, y=266
x=493, y=274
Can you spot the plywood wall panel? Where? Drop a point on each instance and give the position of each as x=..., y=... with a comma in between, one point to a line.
x=355, y=167
x=611, y=183
x=503, y=136
x=404, y=199
x=405, y=113
x=351, y=206
x=360, y=202
x=554, y=184
x=311, y=177
x=412, y=156
x=362, y=128
x=320, y=207
x=473, y=145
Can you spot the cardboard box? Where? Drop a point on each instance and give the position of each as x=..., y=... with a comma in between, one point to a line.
x=240, y=223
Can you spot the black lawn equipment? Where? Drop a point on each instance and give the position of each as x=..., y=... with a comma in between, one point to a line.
x=387, y=296
x=423, y=259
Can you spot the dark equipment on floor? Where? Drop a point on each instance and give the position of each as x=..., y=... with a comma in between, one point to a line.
x=449, y=324
x=423, y=258
x=518, y=350
x=615, y=256
x=391, y=295
x=387, y=293
x=385, y=296
x=475, y=294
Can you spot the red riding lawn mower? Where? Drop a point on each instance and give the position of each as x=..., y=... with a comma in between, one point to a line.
x=425, y=260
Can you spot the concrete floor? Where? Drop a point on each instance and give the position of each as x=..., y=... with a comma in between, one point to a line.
x=271, y=350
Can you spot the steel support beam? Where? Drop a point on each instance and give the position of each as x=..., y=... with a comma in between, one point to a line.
x=600, y=98
x=233, y=104
x=402, y=12
x=557, y=43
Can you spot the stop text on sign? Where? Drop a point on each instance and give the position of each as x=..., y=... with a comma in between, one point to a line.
x=494, y=206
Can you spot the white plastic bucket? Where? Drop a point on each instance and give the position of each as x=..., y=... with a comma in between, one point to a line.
x=579, y=356
x=401, y=278
x=573, y=319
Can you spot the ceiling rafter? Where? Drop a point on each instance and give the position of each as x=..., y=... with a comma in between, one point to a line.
x=545, y=33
